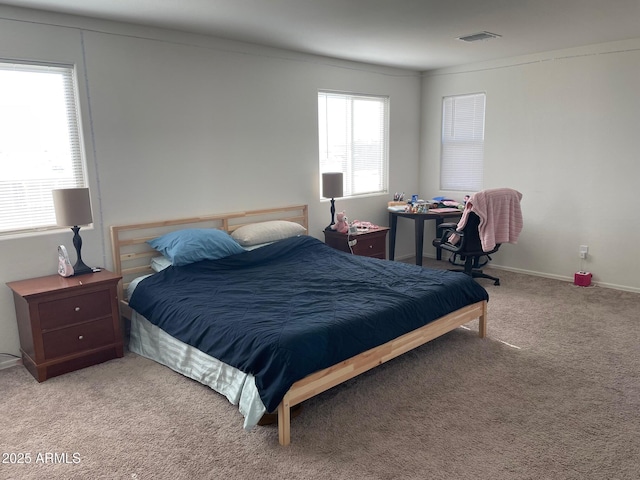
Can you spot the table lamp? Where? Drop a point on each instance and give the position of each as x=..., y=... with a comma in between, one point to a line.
x=332, y=188
x=73, y=208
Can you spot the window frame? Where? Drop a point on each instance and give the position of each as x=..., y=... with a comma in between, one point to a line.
x=26, y=202
x=348, y=165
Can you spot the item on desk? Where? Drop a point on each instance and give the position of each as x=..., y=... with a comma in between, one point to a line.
x=444, y=202
x=398, y=197
x=420, y=207
x=445, y=210
x=399, y=207
x=442, y=199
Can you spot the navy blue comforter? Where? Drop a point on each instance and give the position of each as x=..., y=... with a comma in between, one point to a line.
x=291, y=308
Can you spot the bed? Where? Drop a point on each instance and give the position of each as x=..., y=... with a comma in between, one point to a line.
x=277, y=322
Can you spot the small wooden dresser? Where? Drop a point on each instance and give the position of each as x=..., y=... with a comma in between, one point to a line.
x=67, y=323
x=369, y=243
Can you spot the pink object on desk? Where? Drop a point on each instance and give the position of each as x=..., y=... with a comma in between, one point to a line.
x=444, y=210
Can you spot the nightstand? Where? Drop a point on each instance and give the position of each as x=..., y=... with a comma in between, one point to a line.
x=369, y=243
x=67, y=323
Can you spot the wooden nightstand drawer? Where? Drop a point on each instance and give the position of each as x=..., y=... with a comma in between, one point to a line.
x=78, y=338
x=76, y=309
x=370, y=246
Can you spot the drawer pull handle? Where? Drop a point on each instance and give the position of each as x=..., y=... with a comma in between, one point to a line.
x=370, y=246
x=77, y=309
x=80, y=337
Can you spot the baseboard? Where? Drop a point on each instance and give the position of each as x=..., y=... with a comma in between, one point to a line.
x=563, y=278
x=614, y=286
x=402, y=258
x=10, y=362
x=570, y=279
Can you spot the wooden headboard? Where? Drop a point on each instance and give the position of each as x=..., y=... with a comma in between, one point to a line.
x=132, y=255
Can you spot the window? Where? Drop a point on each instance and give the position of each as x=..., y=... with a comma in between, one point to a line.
x=39, y=143
x=353, y=133
x=462, y=153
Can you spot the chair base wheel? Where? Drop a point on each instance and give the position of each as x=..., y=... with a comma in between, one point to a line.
x=477, y=274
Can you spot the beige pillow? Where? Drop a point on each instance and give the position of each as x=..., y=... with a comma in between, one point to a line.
x=265, y=232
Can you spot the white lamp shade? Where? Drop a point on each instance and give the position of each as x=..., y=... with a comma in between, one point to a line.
x=332, y=185
x=72, y=206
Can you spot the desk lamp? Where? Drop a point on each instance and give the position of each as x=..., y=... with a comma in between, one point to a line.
x=332, y=188
x=73, y=208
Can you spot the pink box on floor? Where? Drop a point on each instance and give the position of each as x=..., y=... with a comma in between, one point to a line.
x=582, y=279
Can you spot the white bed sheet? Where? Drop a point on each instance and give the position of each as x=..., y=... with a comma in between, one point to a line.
x=150, y=341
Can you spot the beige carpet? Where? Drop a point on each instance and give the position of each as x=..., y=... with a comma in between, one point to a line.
x=553, y=393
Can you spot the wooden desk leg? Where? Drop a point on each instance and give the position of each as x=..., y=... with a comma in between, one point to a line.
x=393, y=224
x=419, y=239
x=438, y=235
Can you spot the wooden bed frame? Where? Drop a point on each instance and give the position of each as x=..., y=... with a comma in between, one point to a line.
x=132, y=255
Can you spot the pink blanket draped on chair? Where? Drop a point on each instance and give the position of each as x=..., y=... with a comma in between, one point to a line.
x=500, y=217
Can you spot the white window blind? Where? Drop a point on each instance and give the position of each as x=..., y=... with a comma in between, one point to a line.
x=40, y=146
x=353, y=139
x=462, y=153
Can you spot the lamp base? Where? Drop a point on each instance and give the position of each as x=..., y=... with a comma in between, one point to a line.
x=333, y=214
x=81, y=269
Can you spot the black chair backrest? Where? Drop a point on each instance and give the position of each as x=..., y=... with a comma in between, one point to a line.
x=473, y=245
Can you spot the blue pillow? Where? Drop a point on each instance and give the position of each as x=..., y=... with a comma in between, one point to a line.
x=194, y=244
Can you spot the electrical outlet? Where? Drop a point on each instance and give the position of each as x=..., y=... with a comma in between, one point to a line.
x=352, y=242
x=584, y=250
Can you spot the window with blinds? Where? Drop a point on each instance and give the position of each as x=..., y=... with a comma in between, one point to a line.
x=353, y=139
x=462, y=152
x=40, y=147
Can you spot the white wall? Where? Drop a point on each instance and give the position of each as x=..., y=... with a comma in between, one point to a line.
x=178, y=125
x=562, y=128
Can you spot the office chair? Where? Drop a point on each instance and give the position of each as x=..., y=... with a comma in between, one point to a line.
x=490, y=218
x=468, y=248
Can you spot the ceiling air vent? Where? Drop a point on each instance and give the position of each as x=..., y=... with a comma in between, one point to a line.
x=476, y=37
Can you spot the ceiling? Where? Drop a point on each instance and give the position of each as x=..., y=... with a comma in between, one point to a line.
x=414, y=34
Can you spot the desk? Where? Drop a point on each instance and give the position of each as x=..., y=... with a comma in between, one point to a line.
x=419, y=219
